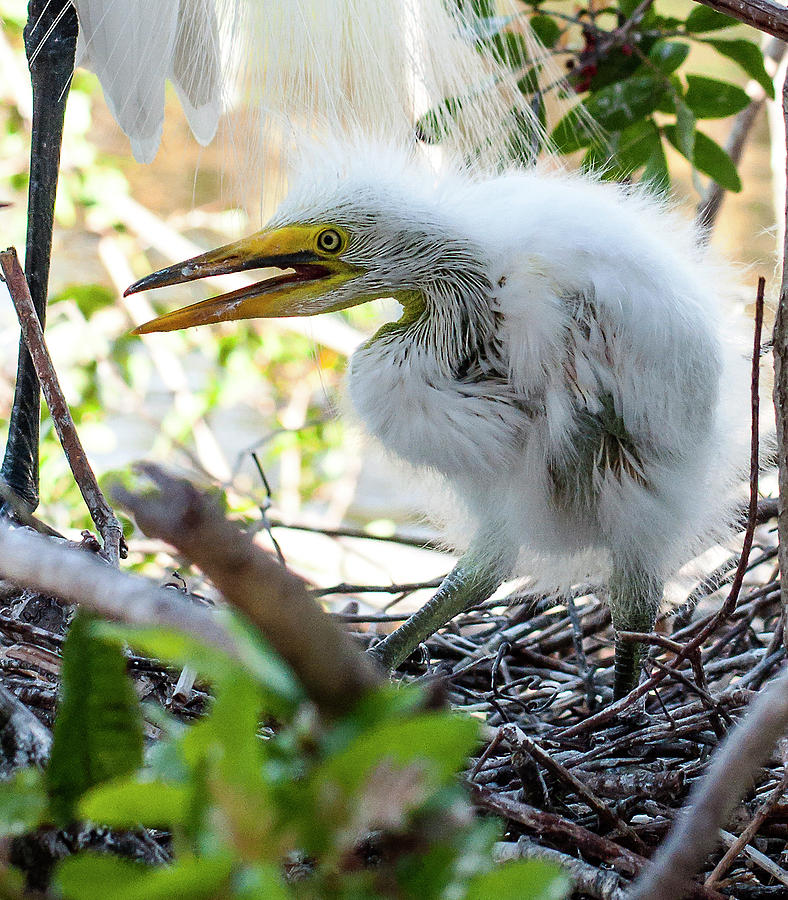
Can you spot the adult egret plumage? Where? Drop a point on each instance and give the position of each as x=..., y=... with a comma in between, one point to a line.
x=559, y=362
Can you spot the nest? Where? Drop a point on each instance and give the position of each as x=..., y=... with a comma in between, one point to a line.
x=598, y=793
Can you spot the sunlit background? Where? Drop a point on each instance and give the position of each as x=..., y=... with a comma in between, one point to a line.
x=240, y=402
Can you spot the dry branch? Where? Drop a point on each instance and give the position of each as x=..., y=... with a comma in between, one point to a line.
x=765, y=15
x=330, y=667
x=738, y=760
x=33, y=335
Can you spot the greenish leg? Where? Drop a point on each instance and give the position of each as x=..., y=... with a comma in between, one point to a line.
x=472, y=580
x=635, y=597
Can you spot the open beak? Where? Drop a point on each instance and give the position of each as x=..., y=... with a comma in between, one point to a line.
x=300, y=291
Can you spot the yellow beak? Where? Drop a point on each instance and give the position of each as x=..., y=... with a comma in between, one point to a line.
x=300, y=292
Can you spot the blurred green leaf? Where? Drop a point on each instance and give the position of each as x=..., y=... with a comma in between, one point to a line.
x=685, y=128
x=709, y=98
x=89, y=298
x=439, y=740
x=667, y=56
x=710, y=159
x=23, y=802
x=98, y=729
x=546, y=29
x=93, y=877
x=749, y=57
x=521, y=880
x=128, y=803
x=282, y=691
x=702, y=18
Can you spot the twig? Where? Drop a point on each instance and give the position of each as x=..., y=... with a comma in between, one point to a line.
x=553, y=827
x=100, y=511
x=601, y=884
x=25, y=740
x=758, y=858
x=736, y=762
x=334, y=673
x=749, y=832
x=405, y=540
x=376, y=589
x=518, y=740
x=780, y=345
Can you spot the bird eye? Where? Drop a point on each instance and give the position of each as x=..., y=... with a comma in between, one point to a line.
x=329, y=240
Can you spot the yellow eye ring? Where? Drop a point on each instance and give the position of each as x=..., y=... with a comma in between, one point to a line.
x=329, y=241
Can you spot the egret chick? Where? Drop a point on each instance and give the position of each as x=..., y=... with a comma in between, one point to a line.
x=560, y=363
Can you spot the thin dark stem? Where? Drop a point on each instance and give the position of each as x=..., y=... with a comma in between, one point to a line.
x=50, y=44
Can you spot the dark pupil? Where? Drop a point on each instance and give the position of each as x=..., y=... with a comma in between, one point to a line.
x=329, y=240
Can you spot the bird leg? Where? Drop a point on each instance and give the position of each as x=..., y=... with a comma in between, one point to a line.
x=635, y=597
x=50, y=43
x=475, y=577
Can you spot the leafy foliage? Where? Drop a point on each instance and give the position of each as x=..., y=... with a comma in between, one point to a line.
x=627, y=67
x=289, y=808
x=98, y=732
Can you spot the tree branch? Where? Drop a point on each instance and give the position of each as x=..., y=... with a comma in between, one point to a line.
x=332, y=670
x=765, y=15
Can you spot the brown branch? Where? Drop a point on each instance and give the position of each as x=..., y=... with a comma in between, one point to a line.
x=765, y=15
x=334, y=673
x=100, y=511
x=711, y=802
x=518, y=740
x=780, y=350
x=560, y=830
x=749, y=832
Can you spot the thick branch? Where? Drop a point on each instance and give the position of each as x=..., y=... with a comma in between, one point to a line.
x=780, y=343
x=333, y=671
x=765, y=15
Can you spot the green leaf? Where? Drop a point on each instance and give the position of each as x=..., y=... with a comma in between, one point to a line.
x=749, y=57
x=521, y=880
x=702, y=18
x=667, y=56
x=261, y=883
x=712, y=99
x=438, y=122
x=656, y=174
x=98, y=729
x=613, y=108
x=710, y=159
x=23, y=802
x=509, y=48
x=546, y=29
x=439, y=740
x=685, y=128
x=282, y=691
x=92, y=877
x=128, y=803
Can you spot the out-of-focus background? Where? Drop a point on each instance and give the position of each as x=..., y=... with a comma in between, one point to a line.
x=235, y=401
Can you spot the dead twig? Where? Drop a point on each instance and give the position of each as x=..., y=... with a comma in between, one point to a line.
x=332, y=670
x=100, y=511
x=738, y=759
x=764, y=810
